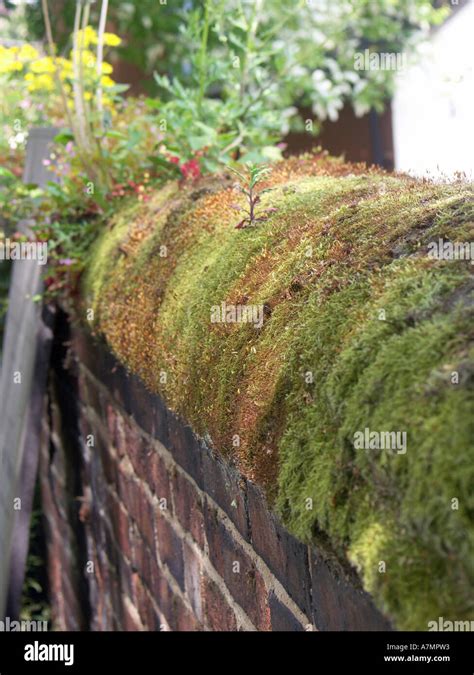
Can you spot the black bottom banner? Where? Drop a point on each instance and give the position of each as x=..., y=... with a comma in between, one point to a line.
x=56, y=652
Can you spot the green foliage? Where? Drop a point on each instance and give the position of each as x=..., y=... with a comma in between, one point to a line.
x=229, y=106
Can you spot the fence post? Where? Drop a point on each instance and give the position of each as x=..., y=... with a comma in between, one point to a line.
x=26, y=348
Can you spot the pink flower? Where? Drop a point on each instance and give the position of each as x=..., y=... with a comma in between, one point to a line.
x=191, y=169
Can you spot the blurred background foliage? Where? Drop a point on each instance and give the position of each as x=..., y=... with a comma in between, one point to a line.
x=313, y=41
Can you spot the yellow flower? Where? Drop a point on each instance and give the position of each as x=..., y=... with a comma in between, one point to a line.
x=107, y=68
x=87, y=37
x=88, y=58
x=10, y=67
x=43, y=81
x=64, y=64
x=28, y=53
x=90, y=37
x=44, y=65
x=9, y=62
x=112, y=40
x=106, y=81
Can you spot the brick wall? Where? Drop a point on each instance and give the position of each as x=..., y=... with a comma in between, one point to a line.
x=149, y=530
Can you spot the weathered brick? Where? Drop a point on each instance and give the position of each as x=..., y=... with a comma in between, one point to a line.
x=138, y=451
x=189, y=507
x=177, y=614
x=169, y=548
x=145, y=517
x=159, y=480
x=286, y=557
x=282, y=618
x=148, y=410
x=92, y=394
x=95, y=356
x=116, y=429
x=140, y=555
x=337, y=604
x=192, y=578
x=238, y=570
x=219, y=614
x=103, y=448
x=125, y=574
x=125, y=531
x=130, y=616
x=124, y=487
x=185, y=448
x=143, y=604
x=227, y=489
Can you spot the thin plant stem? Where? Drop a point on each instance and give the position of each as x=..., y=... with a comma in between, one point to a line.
x=86, y=117
x=100, y=58
x=203, y=56
x=252, y=26
x=75, y=85
x=52, y=53
x=62, y=92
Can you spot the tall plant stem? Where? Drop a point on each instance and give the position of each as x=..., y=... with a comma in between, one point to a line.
x=52, y=53
x=100, y=58
x=62, y=92
x=85, y=112
x=203, y=56
x=252, y=27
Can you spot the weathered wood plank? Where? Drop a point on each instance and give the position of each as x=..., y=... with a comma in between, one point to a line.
x=26, y=338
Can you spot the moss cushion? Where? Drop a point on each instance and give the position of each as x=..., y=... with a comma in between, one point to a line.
x=358, y=329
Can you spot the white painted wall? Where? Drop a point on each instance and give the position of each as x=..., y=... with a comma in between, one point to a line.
x=433, y=108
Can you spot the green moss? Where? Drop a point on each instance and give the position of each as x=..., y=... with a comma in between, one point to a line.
x=362, y=330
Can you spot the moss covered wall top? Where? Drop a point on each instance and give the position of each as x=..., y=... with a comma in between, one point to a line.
x=360, y=329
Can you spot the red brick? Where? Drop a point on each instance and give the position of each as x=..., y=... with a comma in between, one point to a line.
x=189, y=507
x=158, y=479
x=245, y=584
x=145, y=517
x=120, y=522
x=138, y=451
x=219, y=615
x=283, y=619
x=169, y=548
x=142, y=602
x=286, y=557
x=124, y=487
x=192, y=578
x=337, y=603
x=227, y=488
x=130, y=617
x=115, y=424
x=109, y=463
x=186, y=449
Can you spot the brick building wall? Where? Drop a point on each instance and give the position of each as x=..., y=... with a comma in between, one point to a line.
x=148, y=529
